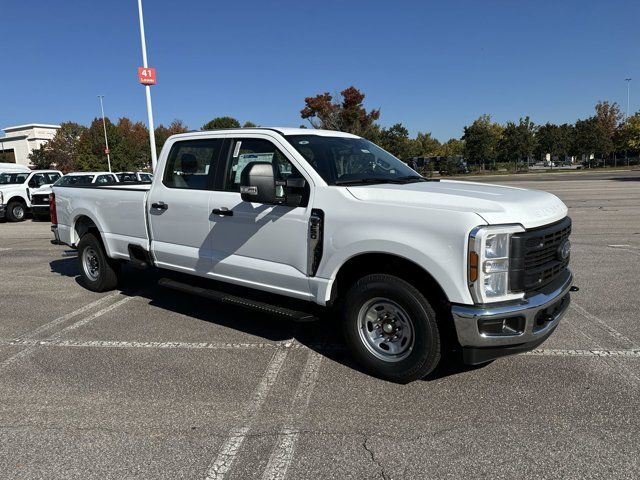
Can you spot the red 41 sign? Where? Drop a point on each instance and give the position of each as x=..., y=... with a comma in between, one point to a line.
x=147, y=76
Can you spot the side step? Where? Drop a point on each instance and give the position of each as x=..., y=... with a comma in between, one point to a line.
x=229, y=299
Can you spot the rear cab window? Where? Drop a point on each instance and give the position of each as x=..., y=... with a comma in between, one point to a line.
x=191, y=164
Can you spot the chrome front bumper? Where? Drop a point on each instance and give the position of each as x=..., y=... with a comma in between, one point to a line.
x=541, y=314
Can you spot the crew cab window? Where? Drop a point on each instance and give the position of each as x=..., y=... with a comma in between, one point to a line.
x=38, y=180
x=52, y=177
x=13, y=178
x=105, y=179
x=191, y=164
x=247, y=150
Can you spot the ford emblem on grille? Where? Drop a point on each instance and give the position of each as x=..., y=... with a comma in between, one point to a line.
x=564, y=250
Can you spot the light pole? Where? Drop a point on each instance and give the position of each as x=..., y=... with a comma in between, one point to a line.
x=104, y=126
x=152, y=135
x=628, y=80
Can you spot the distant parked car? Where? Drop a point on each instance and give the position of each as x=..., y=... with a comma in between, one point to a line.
x=134, y=177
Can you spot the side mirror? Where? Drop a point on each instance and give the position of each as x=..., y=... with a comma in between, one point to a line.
x=258, y=184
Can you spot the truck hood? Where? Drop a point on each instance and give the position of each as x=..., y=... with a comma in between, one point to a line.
x=496, y=204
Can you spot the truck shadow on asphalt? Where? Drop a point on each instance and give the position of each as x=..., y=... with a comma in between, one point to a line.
x=323, y=335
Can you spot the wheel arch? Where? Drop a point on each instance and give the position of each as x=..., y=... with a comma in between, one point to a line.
x=17, y=198
x=82, y=225
x=363, y=264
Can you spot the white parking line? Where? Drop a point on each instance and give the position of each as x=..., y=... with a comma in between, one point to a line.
x=584, y=353
x=604, y=325
x=288, y=345
x=23, y=353
x=285, y=446
x=229, y=449
x=91, y=317
x=66, y=317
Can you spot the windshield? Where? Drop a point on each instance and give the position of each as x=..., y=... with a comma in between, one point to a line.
x=74, y=180
x=351, y=161
x=13, y=178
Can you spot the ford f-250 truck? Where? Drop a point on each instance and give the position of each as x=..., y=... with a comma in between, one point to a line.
x=332, y=219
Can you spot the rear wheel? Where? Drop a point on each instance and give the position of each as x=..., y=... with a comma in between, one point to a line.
x=98, y=272
x=16, y=211
x=391, y=328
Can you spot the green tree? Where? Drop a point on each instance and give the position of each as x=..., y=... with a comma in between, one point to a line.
x=451, y=148
x=130, y=146
x=395, y=140
x=162, y=133
x=346, y=114
x=481, y=140
x=591, y=138
x=628, y=136
x=40, y=158
x=517, y=142
x=220, y=123
x=62, y=150
x=424, y=145
x=248, y=124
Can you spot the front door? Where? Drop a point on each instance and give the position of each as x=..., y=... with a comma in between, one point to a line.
x=179, y=210
x=257, y=245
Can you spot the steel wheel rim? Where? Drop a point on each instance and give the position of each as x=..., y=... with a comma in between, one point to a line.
x=18, y=212
x=386, y=329
x=90, y=263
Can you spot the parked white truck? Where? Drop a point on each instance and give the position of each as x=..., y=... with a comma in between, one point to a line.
x=16, y=188
x=330, y=218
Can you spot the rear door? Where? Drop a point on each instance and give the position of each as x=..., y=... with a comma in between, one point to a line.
x=178, y=206
x=257, y=245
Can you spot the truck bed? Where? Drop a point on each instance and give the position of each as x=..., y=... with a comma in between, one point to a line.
x=118, y=209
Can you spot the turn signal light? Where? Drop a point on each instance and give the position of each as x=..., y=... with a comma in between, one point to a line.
x=473, y=266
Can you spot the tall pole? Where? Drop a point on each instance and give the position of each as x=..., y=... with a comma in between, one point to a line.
x=152, y=135
x=628, y=80
x=104, y=126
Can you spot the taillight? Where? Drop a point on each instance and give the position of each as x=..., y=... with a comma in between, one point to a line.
x=52, y=208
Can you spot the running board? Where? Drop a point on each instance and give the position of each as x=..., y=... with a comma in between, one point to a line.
x=229, y=299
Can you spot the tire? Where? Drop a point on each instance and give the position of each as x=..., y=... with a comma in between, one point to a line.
x=407, y=342
x=98, y=272
x=16, y=211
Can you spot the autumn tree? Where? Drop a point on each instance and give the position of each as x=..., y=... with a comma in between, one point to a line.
x=345, y=114
x=162, y=133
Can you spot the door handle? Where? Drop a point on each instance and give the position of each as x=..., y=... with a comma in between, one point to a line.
x=159, y=206
x=222, y=211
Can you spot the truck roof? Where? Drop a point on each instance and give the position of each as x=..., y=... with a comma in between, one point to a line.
x=281, y=130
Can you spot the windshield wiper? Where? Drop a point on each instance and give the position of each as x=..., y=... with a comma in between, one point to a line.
x=374, y=180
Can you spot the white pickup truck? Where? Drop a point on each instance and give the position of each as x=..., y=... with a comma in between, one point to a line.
x=16, y=188
x=419, y=269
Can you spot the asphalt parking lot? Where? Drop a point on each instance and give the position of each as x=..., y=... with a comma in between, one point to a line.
x=150, y=383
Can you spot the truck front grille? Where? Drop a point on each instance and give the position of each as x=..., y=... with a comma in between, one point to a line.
x=40, y=200
x=536, y=256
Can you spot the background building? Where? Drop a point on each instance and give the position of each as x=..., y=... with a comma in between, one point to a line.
x=21, y=140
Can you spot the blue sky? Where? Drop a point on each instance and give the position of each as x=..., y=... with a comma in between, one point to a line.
x=434, y=66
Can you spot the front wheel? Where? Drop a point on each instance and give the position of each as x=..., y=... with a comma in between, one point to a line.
x=391, y=328
x=98, y=272
x=16, y=211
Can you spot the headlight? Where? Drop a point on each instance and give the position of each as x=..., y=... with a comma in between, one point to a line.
x=488, y=270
